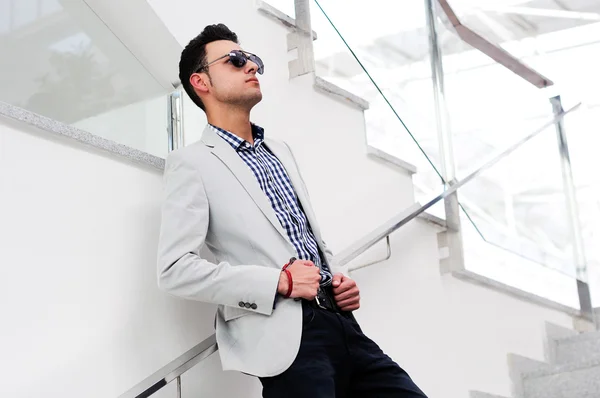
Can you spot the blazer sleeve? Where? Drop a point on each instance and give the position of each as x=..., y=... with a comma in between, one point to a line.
x=181, y=270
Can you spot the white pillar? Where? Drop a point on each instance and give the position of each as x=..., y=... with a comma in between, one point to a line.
x=302, y=40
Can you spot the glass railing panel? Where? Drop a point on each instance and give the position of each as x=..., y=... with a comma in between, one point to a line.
x=395, y=76
x=561, y=44
x=489, y=106
x=521, y=203
x=585, y=164
x=519, y=206
x=534, y=30
x=509, y=267
x=66, y=64
x=141, y=125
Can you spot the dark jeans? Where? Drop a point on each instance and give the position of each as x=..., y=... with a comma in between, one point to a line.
x=336, y=360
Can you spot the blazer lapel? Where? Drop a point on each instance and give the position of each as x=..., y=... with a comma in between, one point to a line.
x=240, y=170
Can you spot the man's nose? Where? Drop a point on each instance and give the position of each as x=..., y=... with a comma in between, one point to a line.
x=251, y=67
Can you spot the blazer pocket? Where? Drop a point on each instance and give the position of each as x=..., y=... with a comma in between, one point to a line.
x=230, y=313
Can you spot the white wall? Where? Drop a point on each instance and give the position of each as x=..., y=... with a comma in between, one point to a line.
x=81, y=313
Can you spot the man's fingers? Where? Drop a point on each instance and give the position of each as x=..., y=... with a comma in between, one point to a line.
x=349, y=300
x=352, y=292
x=346, y=285
x=349, y=303
x=347, y=295
x=350, y=308
x=337, y=280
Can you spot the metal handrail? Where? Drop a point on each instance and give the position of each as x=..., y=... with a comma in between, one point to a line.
x=363, y=244
x=173, y=370
x=180, y=365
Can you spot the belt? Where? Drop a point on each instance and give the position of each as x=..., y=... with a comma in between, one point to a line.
x=325, y=300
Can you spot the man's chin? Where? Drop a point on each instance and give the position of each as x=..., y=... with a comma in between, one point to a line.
x=255, y=98
x=247, y=101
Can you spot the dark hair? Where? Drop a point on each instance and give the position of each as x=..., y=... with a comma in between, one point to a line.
x=193, y=56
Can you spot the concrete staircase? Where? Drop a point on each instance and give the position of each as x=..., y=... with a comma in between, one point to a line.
x=571, y=369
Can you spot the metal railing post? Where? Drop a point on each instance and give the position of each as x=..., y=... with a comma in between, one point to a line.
x=175, y=120
x=453, y=236
x=583, y=288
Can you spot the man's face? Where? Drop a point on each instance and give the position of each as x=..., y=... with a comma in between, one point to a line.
x=229, y=84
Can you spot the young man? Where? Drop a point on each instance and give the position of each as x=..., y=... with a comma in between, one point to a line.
x=284, y=308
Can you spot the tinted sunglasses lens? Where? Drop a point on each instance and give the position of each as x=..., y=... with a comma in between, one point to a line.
x=237, y=59
x=259, y=62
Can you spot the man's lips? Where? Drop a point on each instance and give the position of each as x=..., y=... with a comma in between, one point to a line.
x=253, y=79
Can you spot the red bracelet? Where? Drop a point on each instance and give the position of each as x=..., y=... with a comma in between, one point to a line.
x=289, y=276
x=290, y=283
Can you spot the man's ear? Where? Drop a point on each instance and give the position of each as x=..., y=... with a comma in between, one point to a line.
x=200, y=82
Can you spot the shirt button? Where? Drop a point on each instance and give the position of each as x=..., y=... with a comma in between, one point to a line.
x=254, y=306
x=247, y=305
x=241, y=304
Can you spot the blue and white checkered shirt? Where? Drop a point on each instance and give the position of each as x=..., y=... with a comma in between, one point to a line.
x=276, y=184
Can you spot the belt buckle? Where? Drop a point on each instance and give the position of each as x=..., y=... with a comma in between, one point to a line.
x=318, y=301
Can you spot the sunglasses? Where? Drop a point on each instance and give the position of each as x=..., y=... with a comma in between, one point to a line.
x=238, y=59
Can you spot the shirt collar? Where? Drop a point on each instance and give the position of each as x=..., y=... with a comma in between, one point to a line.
x=237, y=143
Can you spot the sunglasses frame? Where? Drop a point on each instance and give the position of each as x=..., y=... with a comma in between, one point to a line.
x=235, y=53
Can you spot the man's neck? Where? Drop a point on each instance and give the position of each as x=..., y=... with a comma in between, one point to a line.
x=235, y=121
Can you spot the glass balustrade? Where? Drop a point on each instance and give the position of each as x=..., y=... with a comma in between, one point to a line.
x=517, y=210
x=66, y=64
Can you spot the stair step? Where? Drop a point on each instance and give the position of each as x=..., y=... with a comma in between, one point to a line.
x=556, y=332
x=478, y=394
x=574, y=380
x=583, y=347
x=519, y=365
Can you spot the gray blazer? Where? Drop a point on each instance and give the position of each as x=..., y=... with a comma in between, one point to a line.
x=211, y=197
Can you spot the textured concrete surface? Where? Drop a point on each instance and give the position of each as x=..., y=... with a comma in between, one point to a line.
x=278, y=15
x=517, y=366
x=578, y=380
x=55, y=127
x=573, y=371
x=583, y=347
x=338, y=92
x=408, y=167
x=553, y=334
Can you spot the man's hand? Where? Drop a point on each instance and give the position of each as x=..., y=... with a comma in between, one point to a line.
x=306, y=278
x=346, y=293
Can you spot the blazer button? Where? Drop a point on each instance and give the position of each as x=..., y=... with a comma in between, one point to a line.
x=254, y=306
x=247, y=305
x=241, y=304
